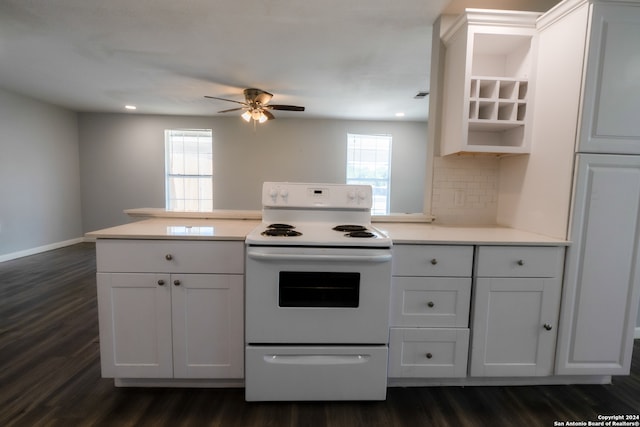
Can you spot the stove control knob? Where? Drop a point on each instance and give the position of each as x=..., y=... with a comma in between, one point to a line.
x=362, y=195
x=351, y=195
x=273, y=193
x=284, y=193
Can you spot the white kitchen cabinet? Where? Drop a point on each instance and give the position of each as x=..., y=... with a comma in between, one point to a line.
x=429, y=313
x=208, y=320
x=430, y=301
x=602, y=285
x=170, y=256
x=611, y=91
x=428, y=352
x=135, y=325
x=171, y=325
x=488, y=79
x=515, y=311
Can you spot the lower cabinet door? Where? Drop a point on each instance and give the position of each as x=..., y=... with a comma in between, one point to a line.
x=134, y=311
x=428, y=352
x=601, y=288
x=208, y=323
x=514, y=326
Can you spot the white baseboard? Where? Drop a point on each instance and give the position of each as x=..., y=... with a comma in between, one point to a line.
x=39, y=249
x=637, y=333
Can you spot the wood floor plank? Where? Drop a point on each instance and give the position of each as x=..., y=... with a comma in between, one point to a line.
x=50, y=375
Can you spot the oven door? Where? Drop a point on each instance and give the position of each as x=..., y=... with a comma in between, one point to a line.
x=317, y=295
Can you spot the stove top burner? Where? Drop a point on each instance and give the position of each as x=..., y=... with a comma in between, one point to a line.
x=350, y=227
x=281, y=232
x=281, y=226
x=360, y=234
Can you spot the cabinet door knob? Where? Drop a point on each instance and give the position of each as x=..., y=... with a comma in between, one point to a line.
x=431, y=304
x=161, y=282
x=547, y=326
x=520, y=262
x=429, y=355
x=168, y=257
x=176, y=282
x=434, y=261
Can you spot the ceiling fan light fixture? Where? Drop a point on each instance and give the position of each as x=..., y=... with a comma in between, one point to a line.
x=256, y=106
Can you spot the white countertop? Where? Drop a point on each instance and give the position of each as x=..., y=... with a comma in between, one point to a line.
x=215, y=214
x=489, y=235
x=237, y=229
x=179, y=229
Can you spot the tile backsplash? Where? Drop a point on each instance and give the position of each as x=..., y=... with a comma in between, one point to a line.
x=465, y=190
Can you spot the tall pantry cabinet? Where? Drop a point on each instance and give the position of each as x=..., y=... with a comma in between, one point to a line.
x=601, y=289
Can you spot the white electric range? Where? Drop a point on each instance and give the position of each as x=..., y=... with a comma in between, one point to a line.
x=318, y=280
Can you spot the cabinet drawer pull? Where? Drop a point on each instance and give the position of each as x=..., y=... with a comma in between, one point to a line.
x=176, y=282
x=547, y=326
x=430, y=304
x=434, y=261
x=168, y=257
x=161, y=282
x=429, y=355
x=520, y=262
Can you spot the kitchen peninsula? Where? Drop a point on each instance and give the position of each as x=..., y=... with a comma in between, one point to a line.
x=179, y=268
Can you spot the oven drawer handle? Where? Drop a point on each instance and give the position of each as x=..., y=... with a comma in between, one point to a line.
x=332, y=258
x=316, y=359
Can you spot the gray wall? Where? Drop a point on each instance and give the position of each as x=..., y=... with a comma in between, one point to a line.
x=122, y=160
x=39, y=174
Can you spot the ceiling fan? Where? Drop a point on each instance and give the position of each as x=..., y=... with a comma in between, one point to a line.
x=257, y=105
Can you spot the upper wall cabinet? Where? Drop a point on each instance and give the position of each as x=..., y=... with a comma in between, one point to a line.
x=488, y=78
x=611, y=89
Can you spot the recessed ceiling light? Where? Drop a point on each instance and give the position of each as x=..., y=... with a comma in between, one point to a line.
x=130, y=107
x=399, y=114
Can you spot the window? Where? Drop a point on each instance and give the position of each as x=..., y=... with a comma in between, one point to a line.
x=188, y=170
x=369, y=162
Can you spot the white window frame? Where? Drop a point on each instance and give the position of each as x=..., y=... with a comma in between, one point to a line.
x=189, y=170
x=369, y=155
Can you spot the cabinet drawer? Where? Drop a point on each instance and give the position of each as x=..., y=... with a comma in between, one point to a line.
x=428, y=352
x=430, y=301
x=520, y=261
x=170, y=256
x=432, y=260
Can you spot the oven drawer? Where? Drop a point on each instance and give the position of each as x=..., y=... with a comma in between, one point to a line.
x=430, y=301
x=170, y=256
x=428, y=352
x=519, y=261
x=432, y=260
x=315, y=373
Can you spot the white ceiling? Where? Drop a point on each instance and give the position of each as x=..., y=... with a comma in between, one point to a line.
x=350, y=59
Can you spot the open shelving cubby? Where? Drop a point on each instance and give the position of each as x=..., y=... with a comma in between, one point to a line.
x=496, y=50
x=499, y=101
x=499, y=85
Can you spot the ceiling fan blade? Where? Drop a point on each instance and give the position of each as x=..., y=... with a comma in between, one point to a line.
x=285, y=107
x=268, y=114
x=223, y=99
x=232, y=109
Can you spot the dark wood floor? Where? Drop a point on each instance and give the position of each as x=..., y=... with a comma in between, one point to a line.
x=50, y=374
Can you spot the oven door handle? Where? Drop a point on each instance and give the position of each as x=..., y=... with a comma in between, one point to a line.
x=316, y=359
x=323, y=258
